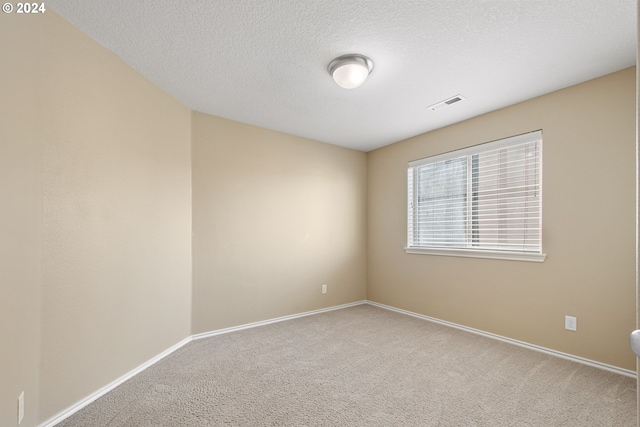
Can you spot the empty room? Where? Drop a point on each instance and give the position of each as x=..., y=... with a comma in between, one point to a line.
x=318, y=213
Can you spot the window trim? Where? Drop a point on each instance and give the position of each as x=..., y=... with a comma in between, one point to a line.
x=477, y=253
x=470, y=252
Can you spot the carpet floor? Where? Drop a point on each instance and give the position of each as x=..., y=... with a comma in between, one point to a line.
x=362, y=366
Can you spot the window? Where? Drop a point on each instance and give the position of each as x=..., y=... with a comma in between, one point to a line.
x=483, y=201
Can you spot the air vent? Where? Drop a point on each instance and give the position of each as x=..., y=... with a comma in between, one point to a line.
x=446, y=103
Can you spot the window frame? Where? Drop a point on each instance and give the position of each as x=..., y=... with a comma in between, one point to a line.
x=470, y=251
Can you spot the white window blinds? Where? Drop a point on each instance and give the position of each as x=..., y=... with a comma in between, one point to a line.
x=484, y=198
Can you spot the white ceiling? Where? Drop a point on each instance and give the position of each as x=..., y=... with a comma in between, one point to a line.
x=264, y=62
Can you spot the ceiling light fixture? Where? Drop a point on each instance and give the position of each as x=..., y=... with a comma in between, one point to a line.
x=350, y=71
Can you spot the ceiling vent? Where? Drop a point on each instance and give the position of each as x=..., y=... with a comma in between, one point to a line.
x=446, y=103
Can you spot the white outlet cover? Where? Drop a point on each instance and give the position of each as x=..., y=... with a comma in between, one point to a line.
x=570, y=323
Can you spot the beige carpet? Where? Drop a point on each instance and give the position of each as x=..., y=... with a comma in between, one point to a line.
x=363, y=366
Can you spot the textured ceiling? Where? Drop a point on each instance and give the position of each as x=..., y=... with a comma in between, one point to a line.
x=264, y=62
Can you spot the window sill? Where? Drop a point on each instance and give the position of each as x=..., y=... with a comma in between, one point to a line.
x=471, y=253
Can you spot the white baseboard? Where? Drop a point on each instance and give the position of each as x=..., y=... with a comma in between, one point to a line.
x=593, y=363
x=89, y=399
x=277, y=319
x=106, y=389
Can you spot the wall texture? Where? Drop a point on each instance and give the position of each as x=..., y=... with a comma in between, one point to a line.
x=637, y=201
x=274, y=218
x=20, y=198
x=588, y=228
x=116, y=237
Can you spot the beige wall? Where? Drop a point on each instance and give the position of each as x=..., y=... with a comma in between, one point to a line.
x=274, y=217
x=20, y=198
x=116, y=245
x=637, y=201
x=588, y=228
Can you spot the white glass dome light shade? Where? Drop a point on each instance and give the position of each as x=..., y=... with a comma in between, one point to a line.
x=350, y=71
x=350, y=76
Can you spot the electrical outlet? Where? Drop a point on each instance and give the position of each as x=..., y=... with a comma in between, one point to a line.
x=20, y=407
x=324, y=289
x=570, y=323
